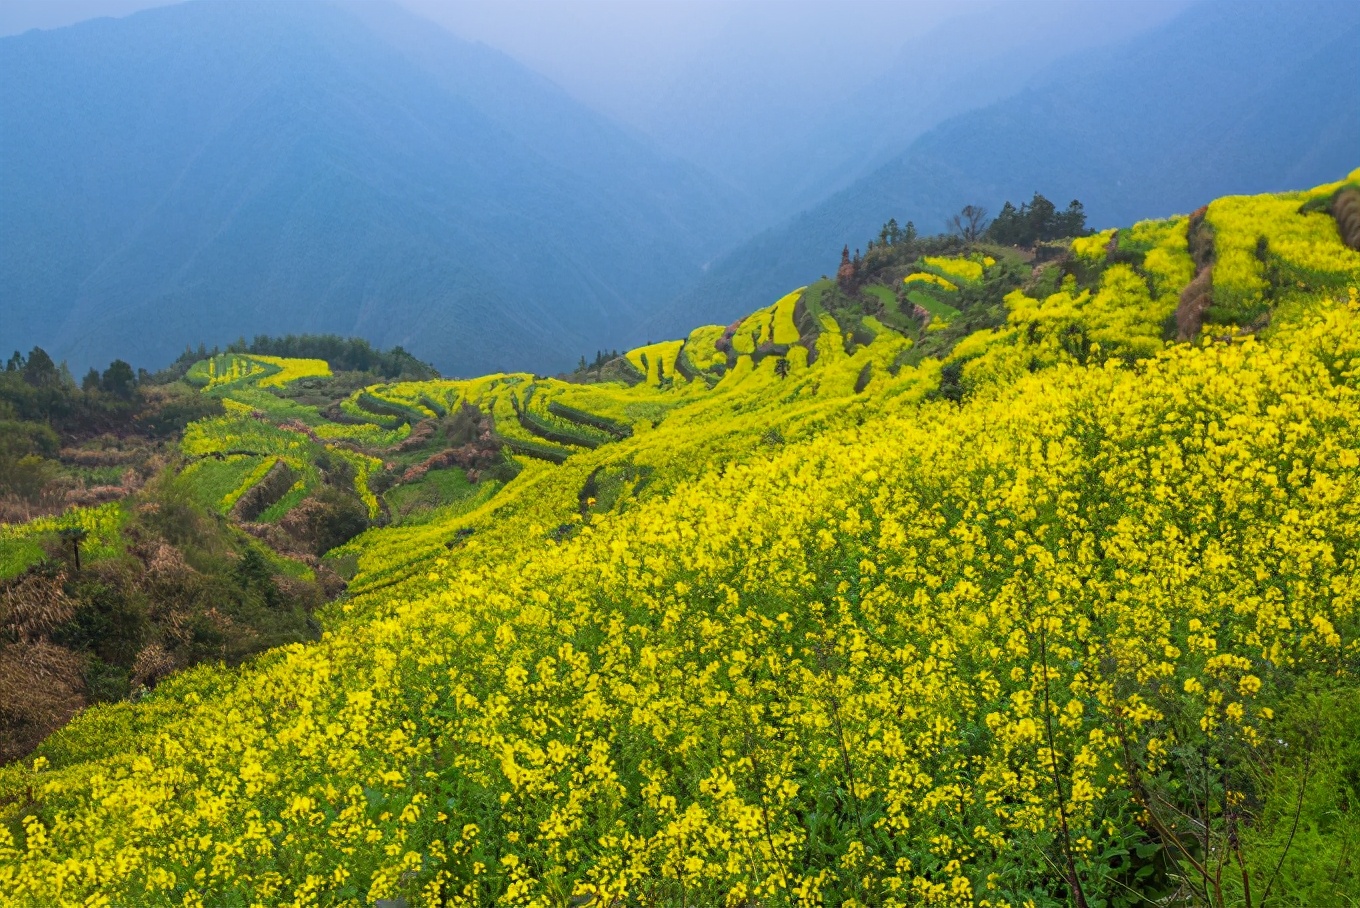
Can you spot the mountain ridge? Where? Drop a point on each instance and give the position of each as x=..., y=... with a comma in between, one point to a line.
x=1009, y=150
x=276, y=187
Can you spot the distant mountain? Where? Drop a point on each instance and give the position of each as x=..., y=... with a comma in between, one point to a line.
x=206, y=170
x=797, y=100
x=983, y=54
x=1226, y=98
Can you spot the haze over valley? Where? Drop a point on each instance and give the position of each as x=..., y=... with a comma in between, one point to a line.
x=192, y=172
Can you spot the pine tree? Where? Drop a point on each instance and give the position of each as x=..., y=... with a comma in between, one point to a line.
x=1072, y=222
x=40, y=371
x=119, y=379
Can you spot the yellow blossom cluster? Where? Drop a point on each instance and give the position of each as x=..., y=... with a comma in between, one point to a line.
x=1253, y=233
x=656, y=361
x=1092, y=247
x=960, y=270
x=239, y=369
x=291, y=369
x=782, y=327
x=927, y=277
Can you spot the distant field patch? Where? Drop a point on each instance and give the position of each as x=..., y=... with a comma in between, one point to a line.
x=966, y=271
x=884, y=294
x=260, y=370
x=925, y=277
x=291, y=370
x=783, y=329
x=364, y=433
x=701, y=348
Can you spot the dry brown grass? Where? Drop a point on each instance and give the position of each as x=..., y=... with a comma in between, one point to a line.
x=34, y=605
x=41, y=688
x=1346, y=210
x=1195, y=301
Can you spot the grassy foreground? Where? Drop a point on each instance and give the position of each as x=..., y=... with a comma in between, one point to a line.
x=1081, y=630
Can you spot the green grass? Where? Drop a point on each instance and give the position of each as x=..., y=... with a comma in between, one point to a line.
x=410, y=501
x=211, y=480
x=893, y=316
x=275, y=406
x=283, y=565
x=885, y=294
x=21, y=545
x=1001, y=253
x=16, y=555
x=812, y=297
x=940, y=310
x=373, y=403
x=98, y=476
x=291, y=499
x=390, y=423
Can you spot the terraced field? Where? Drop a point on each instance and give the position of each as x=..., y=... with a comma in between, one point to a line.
x=1036, y=607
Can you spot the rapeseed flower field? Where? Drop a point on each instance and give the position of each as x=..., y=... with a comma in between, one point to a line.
x=846, y=640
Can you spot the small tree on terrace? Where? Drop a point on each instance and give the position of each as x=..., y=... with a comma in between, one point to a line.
x=75, y=536
x=970, y=223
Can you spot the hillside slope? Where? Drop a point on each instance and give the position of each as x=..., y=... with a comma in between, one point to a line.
x=209, y=170
x=1223, y=99
x=818, y=608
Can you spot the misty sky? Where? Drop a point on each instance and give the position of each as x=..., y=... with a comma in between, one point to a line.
x=622, y=56
x=758, y=92
x=661, y=66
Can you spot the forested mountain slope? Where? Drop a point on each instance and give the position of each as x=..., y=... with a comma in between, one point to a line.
x=949, y=582
x=1224, y=98
x=211, y=170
